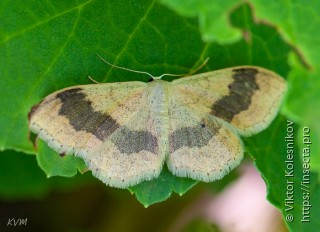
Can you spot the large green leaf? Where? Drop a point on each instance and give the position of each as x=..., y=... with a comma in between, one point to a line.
x=47, y=46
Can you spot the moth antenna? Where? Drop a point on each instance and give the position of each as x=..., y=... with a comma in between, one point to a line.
x=187, y=74
x=153, y=77
x=127, y=69
x=93, y=80
x=169, y=74
x=200, y=67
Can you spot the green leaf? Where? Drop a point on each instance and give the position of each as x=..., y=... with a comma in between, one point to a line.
x=213, y=18
x=159, y=189
x=303, y=109
x=54, y=164
x=290, y=19
x=284, y=170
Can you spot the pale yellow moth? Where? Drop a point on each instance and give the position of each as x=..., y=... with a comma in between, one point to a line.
x=126, y=131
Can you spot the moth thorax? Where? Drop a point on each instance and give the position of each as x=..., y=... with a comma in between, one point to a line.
x=158, y=97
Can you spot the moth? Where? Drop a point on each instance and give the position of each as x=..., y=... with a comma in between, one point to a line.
x=126, y=131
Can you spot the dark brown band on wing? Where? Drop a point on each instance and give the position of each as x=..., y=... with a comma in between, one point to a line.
x=78, y=110
x=131, y=141
x=82, y=116
x=240, y=95
x=197, y=136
